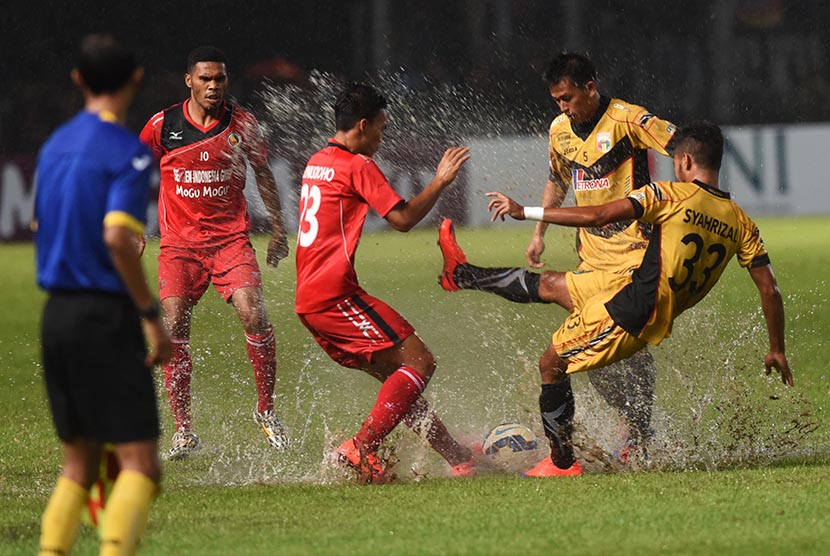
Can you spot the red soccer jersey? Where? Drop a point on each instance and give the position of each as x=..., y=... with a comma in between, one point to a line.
x=201, y=199
x=338, y=189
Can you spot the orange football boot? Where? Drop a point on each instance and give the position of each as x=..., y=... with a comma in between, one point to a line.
x=453, y=255
x=546, y=468
x=367, y=465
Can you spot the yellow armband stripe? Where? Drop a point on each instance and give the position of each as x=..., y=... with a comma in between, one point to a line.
x=120, y=218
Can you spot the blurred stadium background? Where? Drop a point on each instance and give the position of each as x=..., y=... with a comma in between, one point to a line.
x=470, y=69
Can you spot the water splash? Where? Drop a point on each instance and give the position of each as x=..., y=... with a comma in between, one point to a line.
x=712, y=411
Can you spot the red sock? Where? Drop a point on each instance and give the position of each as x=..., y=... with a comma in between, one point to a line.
x=262, y=351
x=424, y=422
x=395, y=399
x=177, y=373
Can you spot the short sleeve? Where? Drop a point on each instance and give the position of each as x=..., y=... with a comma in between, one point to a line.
x=647, y=200
x=752, y=252
x=130, y=190
x=647, y=131
x=372, y=185
x=151, y=135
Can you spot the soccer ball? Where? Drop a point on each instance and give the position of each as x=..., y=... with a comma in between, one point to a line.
x=511, y=447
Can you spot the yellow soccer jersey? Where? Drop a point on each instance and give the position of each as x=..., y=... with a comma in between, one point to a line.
x=605, y=160
x=697, y=230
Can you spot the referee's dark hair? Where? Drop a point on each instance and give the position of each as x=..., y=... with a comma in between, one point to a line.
x=205, y=53
x=356, y=102
x=571, y=65
x=703, y=141
x=104, y=63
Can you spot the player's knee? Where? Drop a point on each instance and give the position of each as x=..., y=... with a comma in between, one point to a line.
x=426, y=365
x=83, y=475
x=551, y=375
x=553, y=288
x=254, y=321
x=552, y=368
x=141, y=457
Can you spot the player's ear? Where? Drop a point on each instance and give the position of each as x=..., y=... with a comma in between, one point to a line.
x=591, y=87
x=137, y=76
x=686, y=161
x=188, y=80
x=75, y=75
x=362, y=125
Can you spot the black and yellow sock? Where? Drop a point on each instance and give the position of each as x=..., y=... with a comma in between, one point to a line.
x=61, y=518
x=556, y=403
x=127, y=510
x=514, y=284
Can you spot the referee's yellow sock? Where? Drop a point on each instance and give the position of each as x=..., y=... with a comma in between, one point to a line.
x=126, y=513
x=61, y=518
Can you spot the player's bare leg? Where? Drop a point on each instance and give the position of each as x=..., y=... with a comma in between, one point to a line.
x=177, y=376
x=262, y=352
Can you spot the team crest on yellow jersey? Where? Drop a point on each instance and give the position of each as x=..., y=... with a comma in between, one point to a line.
x=604, y=141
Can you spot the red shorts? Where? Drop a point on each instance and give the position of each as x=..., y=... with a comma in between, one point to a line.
x=355, y=328
x=186, y=272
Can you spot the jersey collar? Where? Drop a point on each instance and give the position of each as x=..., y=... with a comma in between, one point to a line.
x=711, y=189
x=584, y=129
x=333, y=143
x=197, y=126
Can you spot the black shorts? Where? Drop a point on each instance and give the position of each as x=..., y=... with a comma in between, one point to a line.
x=93, y=362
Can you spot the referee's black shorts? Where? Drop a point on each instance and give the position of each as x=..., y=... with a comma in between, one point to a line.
x=93, y=360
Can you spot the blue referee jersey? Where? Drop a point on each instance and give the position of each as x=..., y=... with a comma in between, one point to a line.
x=91, y=173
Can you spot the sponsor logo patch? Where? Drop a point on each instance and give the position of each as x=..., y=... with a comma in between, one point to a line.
x=140, y=163
x=581, y=183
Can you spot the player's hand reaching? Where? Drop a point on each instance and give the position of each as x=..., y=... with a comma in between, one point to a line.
x=778, y=361
x=501, y=205
x=451, y=163
x=277, y=249
x=534, y=251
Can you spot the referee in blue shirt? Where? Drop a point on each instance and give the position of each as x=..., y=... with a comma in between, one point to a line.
x=90, y=206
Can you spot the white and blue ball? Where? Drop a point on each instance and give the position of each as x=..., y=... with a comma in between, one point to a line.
x=511, y=447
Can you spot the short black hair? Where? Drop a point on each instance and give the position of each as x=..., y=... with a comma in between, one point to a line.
x=356, y=102
x=703, y=141
x=205, y=53
x=104, y=63
x=571, y=65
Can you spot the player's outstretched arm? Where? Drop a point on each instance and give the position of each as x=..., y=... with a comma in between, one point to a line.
x=773, y=306
x=501, y=205
x=267, y=186
x=552, y=196
x=405, y=215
